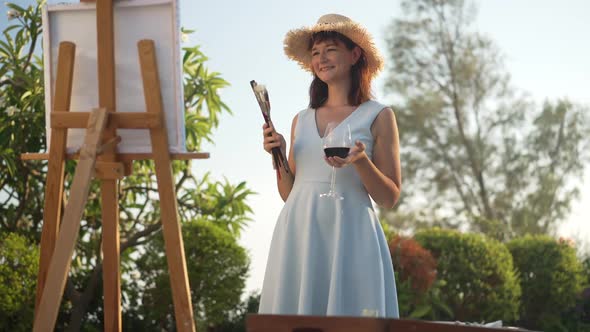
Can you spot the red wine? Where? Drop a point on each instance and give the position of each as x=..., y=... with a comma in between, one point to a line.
x=337, y=152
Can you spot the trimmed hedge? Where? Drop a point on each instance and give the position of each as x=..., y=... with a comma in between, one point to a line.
x=480, y=282
x=550, y=277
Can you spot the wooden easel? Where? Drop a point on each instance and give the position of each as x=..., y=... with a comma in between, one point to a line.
x=98, y=156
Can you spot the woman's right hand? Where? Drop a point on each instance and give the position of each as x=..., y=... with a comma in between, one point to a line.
x=286, y=173
x=272, y=139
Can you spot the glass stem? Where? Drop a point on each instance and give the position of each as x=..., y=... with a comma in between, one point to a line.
x=333, y=180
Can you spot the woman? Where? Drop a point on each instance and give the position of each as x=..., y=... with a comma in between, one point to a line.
x=329, y=256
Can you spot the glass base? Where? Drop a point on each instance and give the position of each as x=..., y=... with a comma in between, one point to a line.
x=332, y=194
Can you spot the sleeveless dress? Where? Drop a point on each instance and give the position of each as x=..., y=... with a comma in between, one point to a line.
x=329, y=257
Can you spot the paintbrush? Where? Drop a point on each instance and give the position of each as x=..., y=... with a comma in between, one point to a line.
x=261, y=95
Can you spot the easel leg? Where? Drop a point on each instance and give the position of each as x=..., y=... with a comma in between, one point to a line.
x=111, y=258
x=183, y=309
x=62, y=256
x=55, y=169
x=108, y=187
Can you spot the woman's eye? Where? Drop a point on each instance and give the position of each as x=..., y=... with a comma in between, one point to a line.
x=314, y=53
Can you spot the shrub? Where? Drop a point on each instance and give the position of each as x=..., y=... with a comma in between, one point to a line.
x=413, y=263
x=217, y=268
x=479, y=280
x=550, y=278
x=19, y=263
x=418, y=291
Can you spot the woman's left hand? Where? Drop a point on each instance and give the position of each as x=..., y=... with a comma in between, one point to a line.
x=356, y=153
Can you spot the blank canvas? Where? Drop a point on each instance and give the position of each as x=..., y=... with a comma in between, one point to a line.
x=134, y=20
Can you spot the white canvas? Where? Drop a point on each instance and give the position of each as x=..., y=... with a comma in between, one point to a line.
x=133, y=21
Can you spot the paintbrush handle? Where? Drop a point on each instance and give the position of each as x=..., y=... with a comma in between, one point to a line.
x=264, y=103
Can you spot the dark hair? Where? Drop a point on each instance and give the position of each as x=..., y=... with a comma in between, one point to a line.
x=360, y=89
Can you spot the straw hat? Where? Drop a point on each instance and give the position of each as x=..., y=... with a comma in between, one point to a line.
x=296, y=41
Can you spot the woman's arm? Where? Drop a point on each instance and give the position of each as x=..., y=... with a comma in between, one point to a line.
x=382, y=176
x=285, y=183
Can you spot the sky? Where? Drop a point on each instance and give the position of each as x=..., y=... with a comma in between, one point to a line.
x=544, y=43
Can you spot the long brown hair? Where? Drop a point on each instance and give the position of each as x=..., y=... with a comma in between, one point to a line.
x=360, y=89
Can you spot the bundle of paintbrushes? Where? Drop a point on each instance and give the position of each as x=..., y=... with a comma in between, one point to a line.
x=261, y=95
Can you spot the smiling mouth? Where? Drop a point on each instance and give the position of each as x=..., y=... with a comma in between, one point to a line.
x=326, y=68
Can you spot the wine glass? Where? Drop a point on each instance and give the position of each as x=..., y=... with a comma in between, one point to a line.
x=337, y=142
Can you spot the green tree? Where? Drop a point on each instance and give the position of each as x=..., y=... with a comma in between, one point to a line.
x=22, y=123
x=217, y=275
x=19, y=264
x=476, y=152
x=22, y=111
x=236, y=321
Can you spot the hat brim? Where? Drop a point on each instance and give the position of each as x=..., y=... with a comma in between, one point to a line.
x=296, y=44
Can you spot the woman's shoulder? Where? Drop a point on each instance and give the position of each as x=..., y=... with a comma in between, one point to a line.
x=304, y=112
x=376, y=105
x=381, y=116
x=300, y=117
x=373, y=109
x=307, y=110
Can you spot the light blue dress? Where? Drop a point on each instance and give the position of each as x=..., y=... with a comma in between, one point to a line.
x=329, y=257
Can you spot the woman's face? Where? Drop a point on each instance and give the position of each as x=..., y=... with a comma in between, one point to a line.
x=331, y=60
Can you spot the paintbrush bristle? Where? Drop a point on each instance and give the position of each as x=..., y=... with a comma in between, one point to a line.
x=260, y=88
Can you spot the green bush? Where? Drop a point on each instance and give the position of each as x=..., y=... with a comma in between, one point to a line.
x=586, y=270
x=236, y=322
x=413, y=263
x=217, y=268
x=583, y=308
x=418, y=293
x=478, y=280
x=19, y=263
x=550, y=278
